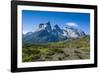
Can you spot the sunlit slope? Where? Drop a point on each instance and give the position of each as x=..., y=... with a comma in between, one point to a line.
x=71, y=49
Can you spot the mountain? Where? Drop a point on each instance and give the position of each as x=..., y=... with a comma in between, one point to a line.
x=58, y=32
x=45, y=34
x=45, y=26
x=42, y=35
x=73, y=33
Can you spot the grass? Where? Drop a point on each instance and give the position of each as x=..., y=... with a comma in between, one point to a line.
x=56, y=50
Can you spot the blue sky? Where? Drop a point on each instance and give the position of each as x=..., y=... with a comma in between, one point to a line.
x=31, y=20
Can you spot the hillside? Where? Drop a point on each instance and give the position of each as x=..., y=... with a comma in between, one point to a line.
x=71, y=49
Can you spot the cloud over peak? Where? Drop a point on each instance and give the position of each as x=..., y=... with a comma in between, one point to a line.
x=72, y=24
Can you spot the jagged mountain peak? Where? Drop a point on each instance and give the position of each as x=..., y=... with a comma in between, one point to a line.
x=44, y=26
x=57, y=30
x=56, y=27
x=41, y=25
x=48, y=23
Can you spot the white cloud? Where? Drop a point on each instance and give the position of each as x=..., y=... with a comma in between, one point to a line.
x=72, y=24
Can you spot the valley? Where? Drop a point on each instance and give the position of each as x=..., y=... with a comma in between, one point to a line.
x=72, y=49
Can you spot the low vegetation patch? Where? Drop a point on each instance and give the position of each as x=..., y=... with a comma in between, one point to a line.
x=65, y=50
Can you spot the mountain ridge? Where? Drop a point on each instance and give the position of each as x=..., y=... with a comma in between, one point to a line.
x=45, y=33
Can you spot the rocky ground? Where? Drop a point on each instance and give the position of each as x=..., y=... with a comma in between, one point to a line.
x=65, y=54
